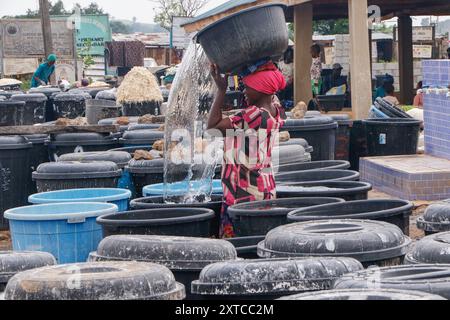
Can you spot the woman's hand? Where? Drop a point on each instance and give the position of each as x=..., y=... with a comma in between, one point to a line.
x=221, y=81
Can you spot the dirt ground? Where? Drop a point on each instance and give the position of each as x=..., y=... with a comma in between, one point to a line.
x=419, y=210
x=5, y=241
x=416, y=234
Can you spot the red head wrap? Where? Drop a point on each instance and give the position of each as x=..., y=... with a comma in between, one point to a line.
x=267, y=79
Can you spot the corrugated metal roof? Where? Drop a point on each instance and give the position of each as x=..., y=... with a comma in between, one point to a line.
x=149, y=39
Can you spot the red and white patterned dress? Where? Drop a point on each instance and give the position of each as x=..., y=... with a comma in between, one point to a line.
x=247, y=173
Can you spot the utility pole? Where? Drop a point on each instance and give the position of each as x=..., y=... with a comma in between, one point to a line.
x=46, y=29
x=46, y=26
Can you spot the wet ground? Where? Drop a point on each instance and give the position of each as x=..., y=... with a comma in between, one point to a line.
x=416, y=234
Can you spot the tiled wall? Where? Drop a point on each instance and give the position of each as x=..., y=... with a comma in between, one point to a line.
x=436, y=73
x=406, y=185
x=437, y=109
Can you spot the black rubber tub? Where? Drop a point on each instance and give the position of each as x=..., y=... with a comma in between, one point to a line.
x=141, y=138
x=11, y=113
x=270, y=279
x=158, y=203
x=39, y=155
x=315, y=165
x=364, y=295
x=185, y=257
x=15, y=182
x=67, y=143
x=239, y=39
x=258, y=218
x=141, y=109
x=50, y=93
x=320, y=132
x=246, y=247
x=347, y=190
x=397, y=212
x=34, y=110
x=436, y=218
x=429, y=278
x=370, y=242
x=56, y=176
x=188, y=222
x=313, y=176
x=70, y=105
x=383, y=136
x=145, y=173
x=434, y=249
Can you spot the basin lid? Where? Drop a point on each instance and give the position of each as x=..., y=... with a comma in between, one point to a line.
x=120, y=158
x=149, y=135
x=432, y=249
x=364, y=294
x=272, y=277
x=15, y=262
x=77, y=170
x=14, y=143
x=364, y=240
x=176, y=253
x=99, y=281
x=72, y=97
x=30, y=97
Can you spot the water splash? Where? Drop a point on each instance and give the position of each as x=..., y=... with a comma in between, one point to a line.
x=188, y=106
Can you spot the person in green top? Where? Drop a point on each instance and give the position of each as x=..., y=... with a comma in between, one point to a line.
x=43, y=73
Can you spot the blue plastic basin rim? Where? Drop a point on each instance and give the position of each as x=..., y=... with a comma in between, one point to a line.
x=122, y=194
x=73, y=217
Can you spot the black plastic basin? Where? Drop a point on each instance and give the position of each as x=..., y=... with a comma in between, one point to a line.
x=347, y=190
x=311, y=176
x=247, y=247
x=189, y=222
x=315, y=165
x=258, y=218
x=240, y=39
x=158, y=203
x=396, y=212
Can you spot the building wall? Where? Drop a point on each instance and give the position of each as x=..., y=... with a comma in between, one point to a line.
x=162, y=55
x=342, y=56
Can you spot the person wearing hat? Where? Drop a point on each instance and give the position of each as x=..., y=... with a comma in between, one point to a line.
x=41, y=76
x=335, y=79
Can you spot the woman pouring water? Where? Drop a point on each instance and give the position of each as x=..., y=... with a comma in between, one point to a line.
x=247, y=173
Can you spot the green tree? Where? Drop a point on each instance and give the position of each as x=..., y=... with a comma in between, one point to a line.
x=330, y=27
x=166, y=9
x=92, y=8
x=120, y=27
x=57, y=9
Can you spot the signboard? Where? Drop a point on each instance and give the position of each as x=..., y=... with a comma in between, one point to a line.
x=65, y=70
x=22, y=38
x=93, y=30
x=16, y=66
x=179, y=39
x=420, y=34
x=422, y=51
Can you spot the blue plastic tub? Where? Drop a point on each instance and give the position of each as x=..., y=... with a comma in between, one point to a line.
x=179, y=188
x=119, y=197
x=374, y=113
x=69, y=231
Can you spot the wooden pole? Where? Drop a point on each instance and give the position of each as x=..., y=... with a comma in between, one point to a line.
x=46, y=26
x=360, y=66
x=303, y=24
x=405, y=59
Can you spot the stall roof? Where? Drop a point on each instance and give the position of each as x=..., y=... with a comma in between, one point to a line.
x=326, y=9
x=149, y=39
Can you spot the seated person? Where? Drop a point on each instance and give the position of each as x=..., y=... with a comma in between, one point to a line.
x=334, y=80
x=390, y=97
x=418, y=99
x=380, y=91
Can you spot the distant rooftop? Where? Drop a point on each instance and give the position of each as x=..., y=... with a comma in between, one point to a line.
x=149, y=39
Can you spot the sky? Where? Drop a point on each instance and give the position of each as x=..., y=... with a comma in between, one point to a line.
x=143, y=10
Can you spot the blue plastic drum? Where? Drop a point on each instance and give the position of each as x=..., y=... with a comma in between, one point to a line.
x=119, y=197
x=68, y=231
x=179, y=188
